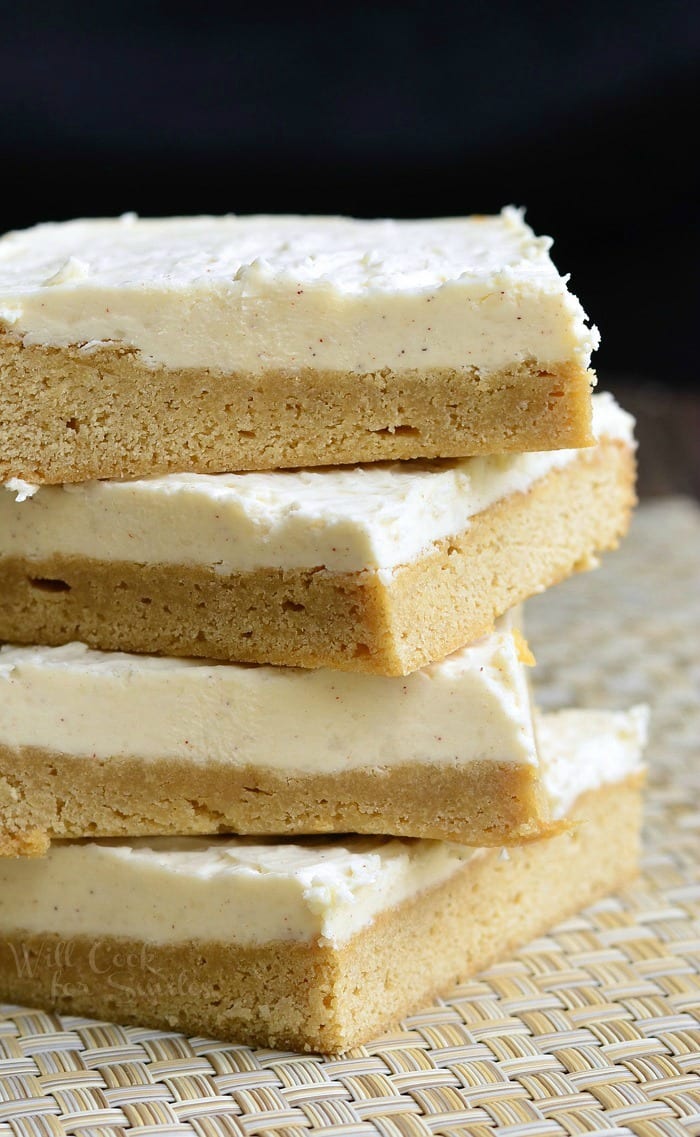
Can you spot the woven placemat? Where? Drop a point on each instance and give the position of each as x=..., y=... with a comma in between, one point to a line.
x=593, y=1029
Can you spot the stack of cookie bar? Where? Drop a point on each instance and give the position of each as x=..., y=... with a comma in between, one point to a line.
x=274, y=490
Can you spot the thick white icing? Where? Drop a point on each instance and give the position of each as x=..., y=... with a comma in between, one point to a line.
x=252, y=294
x=582, y=750
x=472, y=706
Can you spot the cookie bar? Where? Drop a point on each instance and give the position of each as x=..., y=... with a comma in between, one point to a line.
x=130, y=347
x=315, y=945
x=381, y=569
x=99, y=744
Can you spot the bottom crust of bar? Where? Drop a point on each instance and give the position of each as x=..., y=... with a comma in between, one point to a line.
x=313, y=618
x=68, y=416
x=315, y=997
x=45, y=796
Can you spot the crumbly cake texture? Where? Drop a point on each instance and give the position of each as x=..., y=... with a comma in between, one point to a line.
x=45, y=796
x=130, y=346
x=357, y=621
x=320, y=997
x=67, y=418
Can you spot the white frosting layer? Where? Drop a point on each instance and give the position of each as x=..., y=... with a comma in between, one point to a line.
x=582, y=750
x=248, y=891
x=257, y=293
x=474, y=705
x=377, y=516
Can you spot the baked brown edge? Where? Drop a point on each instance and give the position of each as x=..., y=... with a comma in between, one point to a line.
x=48, y=796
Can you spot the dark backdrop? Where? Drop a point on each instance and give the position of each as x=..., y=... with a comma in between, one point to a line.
x=585, y=113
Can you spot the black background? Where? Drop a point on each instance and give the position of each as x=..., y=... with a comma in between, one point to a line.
x=587, y=114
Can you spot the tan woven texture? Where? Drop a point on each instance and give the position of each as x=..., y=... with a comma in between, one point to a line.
x=593, y=1029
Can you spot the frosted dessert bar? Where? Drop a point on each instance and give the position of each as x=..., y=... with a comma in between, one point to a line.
x=380, y=569
x=316, y=944
x=130, y=347
x=105, y=744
